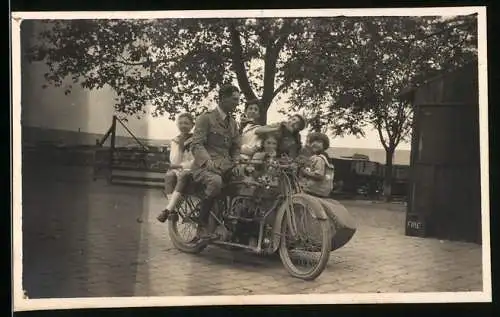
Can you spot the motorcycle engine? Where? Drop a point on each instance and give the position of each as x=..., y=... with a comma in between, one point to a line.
x=242, y=207
x=242, y=210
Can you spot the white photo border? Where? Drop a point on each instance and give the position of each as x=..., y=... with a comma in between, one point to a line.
x=20, y=303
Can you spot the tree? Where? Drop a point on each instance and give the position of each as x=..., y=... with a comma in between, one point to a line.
x=176, y=64
x=386, y=56
x=346, y=72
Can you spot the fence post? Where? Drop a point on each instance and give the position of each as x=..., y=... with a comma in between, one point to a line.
x=96, y=167
x=112, y=149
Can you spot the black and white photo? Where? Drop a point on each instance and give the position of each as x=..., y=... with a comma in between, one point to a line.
x=251, y=156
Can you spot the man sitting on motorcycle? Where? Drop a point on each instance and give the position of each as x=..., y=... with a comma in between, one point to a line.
x=215, y=146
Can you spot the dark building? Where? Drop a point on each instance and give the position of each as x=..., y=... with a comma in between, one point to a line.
x=445, y=188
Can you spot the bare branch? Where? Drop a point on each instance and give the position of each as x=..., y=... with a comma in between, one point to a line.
x=283, y=86
x=404, y=122
x=381, y=136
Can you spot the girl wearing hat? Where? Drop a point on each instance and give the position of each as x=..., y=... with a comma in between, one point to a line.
x=317, y=180
x=317, y=177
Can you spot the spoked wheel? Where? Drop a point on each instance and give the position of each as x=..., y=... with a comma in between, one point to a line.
x=305, y=250
x=182, y=228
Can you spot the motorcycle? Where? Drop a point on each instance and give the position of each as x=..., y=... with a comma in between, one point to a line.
x=266, y=214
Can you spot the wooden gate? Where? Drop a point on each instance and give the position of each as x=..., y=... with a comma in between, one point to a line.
x=136, y=164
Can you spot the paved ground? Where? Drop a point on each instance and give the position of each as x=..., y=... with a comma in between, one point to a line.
x=84, y=238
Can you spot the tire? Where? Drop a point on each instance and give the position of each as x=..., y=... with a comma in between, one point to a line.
x=325, y=237
x=184, y=209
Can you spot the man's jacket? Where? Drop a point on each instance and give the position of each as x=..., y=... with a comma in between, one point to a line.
x=215, y=139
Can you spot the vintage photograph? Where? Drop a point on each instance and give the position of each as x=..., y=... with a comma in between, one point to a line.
x=232, y=153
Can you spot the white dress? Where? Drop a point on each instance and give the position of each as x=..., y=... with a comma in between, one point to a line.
x=250, y=142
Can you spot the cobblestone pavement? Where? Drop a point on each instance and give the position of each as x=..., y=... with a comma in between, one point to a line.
x=84, y=238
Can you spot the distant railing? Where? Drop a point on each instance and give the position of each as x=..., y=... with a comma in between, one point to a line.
x=138, y=164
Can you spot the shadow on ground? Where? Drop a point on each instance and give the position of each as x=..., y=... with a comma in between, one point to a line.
x=79, y=238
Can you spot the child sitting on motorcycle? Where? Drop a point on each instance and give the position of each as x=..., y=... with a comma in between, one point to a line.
x=268, y=150
x=267, y=153
x=181, y=161
x=317, y=176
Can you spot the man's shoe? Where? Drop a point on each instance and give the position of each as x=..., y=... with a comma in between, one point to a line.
x=163, y=216
x=204, y=234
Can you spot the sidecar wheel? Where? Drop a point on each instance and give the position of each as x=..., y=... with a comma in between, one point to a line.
x=185, y=213
x=319, y=238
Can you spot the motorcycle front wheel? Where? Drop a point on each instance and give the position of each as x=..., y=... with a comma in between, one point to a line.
x=305, y=251
x=182, y=226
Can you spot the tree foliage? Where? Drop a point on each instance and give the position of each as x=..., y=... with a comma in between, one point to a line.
x=343, y=72
x=358, y=81
x=175, y=64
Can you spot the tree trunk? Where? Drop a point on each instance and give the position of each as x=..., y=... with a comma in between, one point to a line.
x=264, y=107
x=389, y=157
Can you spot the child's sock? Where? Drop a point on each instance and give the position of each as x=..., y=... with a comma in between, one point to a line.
x=172, y=201
x=169, y=198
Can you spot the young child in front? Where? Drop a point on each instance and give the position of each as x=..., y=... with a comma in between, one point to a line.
x=267, y=152
x=317, y=177
x=181, y=160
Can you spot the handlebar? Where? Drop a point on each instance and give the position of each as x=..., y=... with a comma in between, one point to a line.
x=276, y=163
x=247, y=183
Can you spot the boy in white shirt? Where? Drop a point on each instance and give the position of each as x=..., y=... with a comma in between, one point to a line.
x=181, y=161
